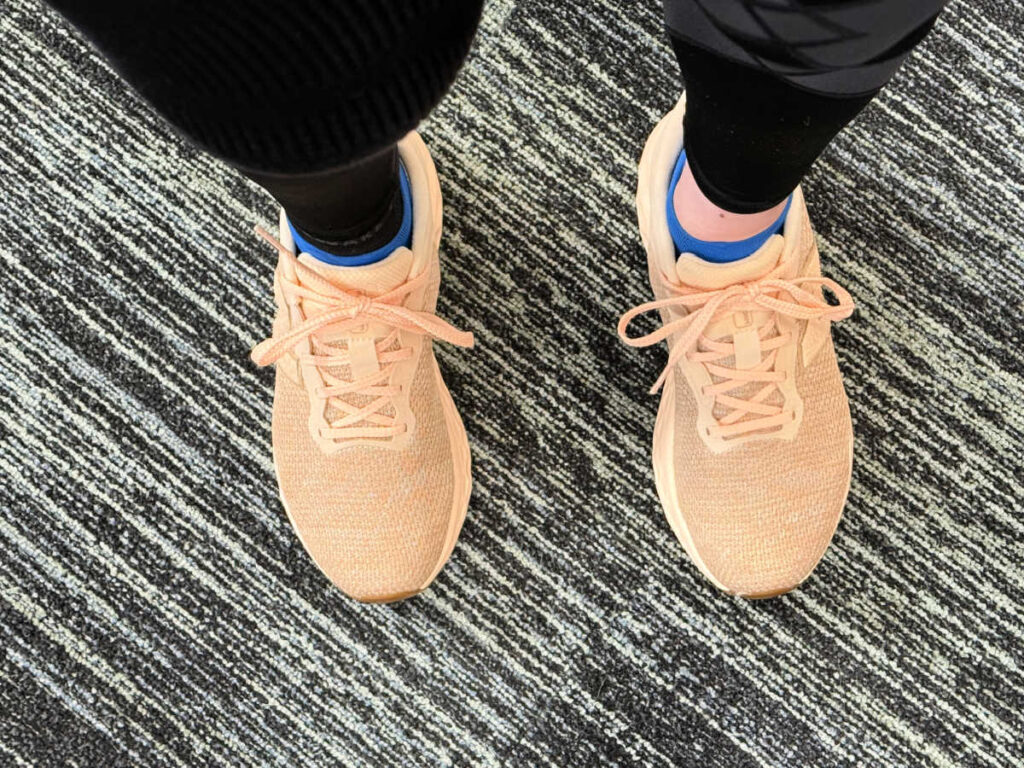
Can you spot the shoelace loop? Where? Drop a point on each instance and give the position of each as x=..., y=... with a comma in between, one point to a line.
x=703, y=307
x=344, y=309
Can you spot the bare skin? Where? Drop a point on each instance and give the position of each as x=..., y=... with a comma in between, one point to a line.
x=704, y=220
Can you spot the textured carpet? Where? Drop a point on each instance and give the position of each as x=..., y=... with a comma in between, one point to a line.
x=155, y=608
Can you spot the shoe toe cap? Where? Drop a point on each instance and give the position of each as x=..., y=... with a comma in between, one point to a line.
x=379, y=521
x=377, y=557
x=762, y=555
x=378, y=529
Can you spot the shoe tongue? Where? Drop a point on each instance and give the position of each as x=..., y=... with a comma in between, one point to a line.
x=372, y=280
x=698, y=273
x=741, y=327
x=359, y=343
x=369, y=279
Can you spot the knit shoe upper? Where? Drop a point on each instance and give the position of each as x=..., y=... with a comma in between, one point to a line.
x=370, y=453
x=753, y=441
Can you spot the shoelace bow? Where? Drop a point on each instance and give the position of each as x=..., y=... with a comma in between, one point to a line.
x=779, y=296
x=344, y=310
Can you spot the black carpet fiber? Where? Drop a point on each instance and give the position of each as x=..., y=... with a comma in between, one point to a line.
x=156, y=609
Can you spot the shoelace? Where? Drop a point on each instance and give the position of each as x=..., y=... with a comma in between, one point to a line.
x=781, y=297
x=344, y=310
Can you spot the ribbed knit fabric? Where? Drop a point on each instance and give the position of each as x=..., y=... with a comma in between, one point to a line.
x=285, y=86
x=401, y=239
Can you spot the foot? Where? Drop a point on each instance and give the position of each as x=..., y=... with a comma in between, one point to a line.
x=371, y=456
x=753, y=440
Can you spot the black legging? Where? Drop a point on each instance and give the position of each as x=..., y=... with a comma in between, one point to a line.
x=305, y=97
x=308, y=97
x=770, y=83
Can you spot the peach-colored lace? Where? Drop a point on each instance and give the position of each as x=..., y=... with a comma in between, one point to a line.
x=345, y=310
x=778, y=296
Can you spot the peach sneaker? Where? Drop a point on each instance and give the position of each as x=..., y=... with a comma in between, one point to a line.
x=753, y=442
x=371, y=456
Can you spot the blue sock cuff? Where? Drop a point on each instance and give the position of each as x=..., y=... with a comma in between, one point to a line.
x=403, y=238
x=714, y=251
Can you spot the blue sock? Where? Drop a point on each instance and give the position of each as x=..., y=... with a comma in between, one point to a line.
x=717, y=252
x=402, y=238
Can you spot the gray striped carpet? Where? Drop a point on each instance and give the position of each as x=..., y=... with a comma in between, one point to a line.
x=155, y=608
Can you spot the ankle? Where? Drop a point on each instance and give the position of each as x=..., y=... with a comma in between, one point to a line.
x=373, y=245
x=704, y=220
x=358, y=237
x=348, y=210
